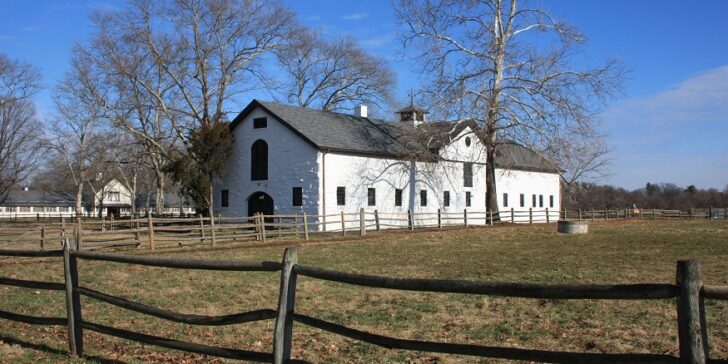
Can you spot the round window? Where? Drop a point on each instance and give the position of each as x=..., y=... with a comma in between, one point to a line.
x=467, y=141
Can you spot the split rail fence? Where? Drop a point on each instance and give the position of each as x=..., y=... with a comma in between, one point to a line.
x=689, y=291
x=154, y=232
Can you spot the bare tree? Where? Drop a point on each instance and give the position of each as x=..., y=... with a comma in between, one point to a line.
x=333, y=75
x=200, y=54
x=21, y=139
x=509, y=68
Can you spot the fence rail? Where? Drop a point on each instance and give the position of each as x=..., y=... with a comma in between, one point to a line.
x=159, y=232
x=688, y=289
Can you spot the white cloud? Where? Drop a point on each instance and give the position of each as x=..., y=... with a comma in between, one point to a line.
x=675, y=135
x=376, y=42
x=355, y=16
x=28, y=28
x=6, y=37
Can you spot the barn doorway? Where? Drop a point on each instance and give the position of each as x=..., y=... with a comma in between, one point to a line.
x=260, y=202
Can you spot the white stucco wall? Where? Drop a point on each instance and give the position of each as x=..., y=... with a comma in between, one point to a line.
x=292, y=162
x=515, y=183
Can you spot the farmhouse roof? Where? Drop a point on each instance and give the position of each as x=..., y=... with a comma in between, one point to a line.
x=36, y=198
x=346, y=133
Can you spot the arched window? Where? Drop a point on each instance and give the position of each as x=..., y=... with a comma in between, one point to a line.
x=259, y=161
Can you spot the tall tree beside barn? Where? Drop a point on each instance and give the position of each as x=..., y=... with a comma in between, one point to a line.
x=510, y=67
x=333, y=75
x=21, y=140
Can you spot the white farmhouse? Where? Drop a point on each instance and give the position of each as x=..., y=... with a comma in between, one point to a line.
x=290, y=160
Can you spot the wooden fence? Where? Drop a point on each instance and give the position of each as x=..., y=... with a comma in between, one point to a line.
x=688, y=289
x=154, y=232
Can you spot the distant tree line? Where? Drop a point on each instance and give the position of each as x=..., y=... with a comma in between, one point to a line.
x=667, y=196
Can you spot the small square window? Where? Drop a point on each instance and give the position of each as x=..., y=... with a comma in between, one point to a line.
x=297, y=196
x=260, y=123
x=397, y=197
x=341, y=196
x=371, y=197
x=446, y=198
x=224, y=198
x=423, y=198
x=467, y=199
x=505, y=200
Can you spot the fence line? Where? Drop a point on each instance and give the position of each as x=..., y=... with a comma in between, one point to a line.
x=152, y=232
x=688, y=289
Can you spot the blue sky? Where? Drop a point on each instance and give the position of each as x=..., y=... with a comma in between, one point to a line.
x=671, y=125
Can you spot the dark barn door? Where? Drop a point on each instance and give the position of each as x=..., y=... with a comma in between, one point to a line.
x=260, y=202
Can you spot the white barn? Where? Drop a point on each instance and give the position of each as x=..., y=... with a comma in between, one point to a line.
x=291, y=160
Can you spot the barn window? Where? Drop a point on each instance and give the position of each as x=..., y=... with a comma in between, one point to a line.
x=505, y=200
x=259, y=160
x=533, y=201
x=467, y=141
x=371, y=197
x=551, y=200
x=297, y=196
x=224, y=198
x=260, y=123
x=523, y=200
x=468, y=175
x=467, y=199
x=540, y=200
x=423, y=197
x=397, y=197
x=341, y=196
x=446, y=198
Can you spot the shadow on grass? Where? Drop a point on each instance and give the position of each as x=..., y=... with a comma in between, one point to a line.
x=50, y=350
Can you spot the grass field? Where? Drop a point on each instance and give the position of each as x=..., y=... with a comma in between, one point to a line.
x=613, y=252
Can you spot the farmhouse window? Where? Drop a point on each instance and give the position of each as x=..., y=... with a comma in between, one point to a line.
x=446, y=198
x=551, y=200
x=341, y=196
x=114, y=196
x=468, y=175
x=523, y=200
x=505, y=200
x=260, y=123
x=224, y=198
x=540, y=200
x=259, y=161
x=24, y=209
x=297, y=196
x=372, y=196
x=423, y=197
x=397, y=197
x=467, y=199
x=533, y=201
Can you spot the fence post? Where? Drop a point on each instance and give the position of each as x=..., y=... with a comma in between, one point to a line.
x=376, y=219
x=78, y=233
x=654, y=214
x=137, y=235
x=592, y=213
x=490, y=212
x=42, y=237
x=286, y=303
x=548, y=218
x=439, y=219
x=73, y=302
x=112, y=222
x=690, y=330
x=710, y=211
x=305, y=226
x=343, y=223
x=202, y=228
x=296, y=226
x=530, y=215
x=362, y=223
x=212, y=229
x=513, y=217
x=262, y=228
x=465, y=217
x=579, y=214
x=150, y=225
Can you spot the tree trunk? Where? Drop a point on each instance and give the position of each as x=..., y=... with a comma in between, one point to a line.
x=79, y=200
x=160, y=190
x=491, y=197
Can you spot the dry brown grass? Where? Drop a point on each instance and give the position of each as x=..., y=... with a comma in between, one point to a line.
x=614, y=252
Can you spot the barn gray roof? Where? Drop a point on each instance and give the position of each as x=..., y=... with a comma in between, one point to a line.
x=360, y=135
x=36, y=198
